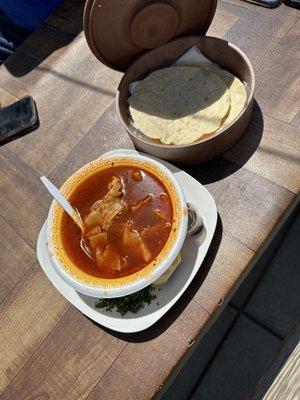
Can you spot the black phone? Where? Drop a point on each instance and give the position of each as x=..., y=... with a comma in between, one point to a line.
x=267, y=3
x=293, y=3
x=18, y=119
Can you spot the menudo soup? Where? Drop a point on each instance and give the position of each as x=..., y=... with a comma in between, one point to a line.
x=127, y=214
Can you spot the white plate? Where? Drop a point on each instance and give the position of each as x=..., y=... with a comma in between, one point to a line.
x=193, y=252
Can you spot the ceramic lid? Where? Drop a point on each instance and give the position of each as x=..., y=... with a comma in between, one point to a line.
x=118, y=31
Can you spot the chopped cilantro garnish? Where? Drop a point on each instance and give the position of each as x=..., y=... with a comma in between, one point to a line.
x=131, y=303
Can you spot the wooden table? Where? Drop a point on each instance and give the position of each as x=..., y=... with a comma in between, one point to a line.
x=281, y=381
x=49, y=350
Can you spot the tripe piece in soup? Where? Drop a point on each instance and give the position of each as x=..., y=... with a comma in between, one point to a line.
x=127, y=214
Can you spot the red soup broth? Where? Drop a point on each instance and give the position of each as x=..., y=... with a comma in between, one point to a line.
x=152, y=221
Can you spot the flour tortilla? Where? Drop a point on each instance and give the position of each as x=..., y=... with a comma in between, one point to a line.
x=236, y=89
x=178, y=105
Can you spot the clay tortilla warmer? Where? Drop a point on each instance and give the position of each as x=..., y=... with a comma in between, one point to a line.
x=140, y=36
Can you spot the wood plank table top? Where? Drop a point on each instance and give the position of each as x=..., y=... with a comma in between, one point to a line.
x=49, y=350
x=281, y=381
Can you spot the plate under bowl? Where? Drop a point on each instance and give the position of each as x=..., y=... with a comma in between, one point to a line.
x=193, y=253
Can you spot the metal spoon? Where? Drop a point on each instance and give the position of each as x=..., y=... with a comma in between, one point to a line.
x=72, y=212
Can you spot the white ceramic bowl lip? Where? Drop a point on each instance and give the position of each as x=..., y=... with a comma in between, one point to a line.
x=140, y=279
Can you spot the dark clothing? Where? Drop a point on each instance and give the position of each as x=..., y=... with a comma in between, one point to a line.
x=11, y=36
x=28, y=13
x=18, y=19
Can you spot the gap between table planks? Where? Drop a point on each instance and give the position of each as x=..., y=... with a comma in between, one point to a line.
x=37, y=323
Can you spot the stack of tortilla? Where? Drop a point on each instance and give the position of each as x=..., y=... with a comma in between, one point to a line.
x=181, y=104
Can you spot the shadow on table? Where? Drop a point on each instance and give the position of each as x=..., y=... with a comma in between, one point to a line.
x=236, y=157
x=171, y=316
x=57, y=32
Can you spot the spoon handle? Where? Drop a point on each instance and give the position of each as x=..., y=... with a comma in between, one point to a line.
x=61, y=200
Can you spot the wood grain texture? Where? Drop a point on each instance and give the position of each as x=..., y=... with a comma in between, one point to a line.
x=286, y=385
x=278, y=81
x=48, y=45
x=69, y=363
x=151, y=361
x=18, y=78
x=219, y=277
x=296, y=120
x=48, y=349
x=6, y=98
x=282, y=380
x=22, y=197
x=27, y=316
x=249, y=205
x=80, y=92
x=107, y=134
x=277, y=157
x=16, y=260
x=227, y=14
x=241, y=3
x=259, y=31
